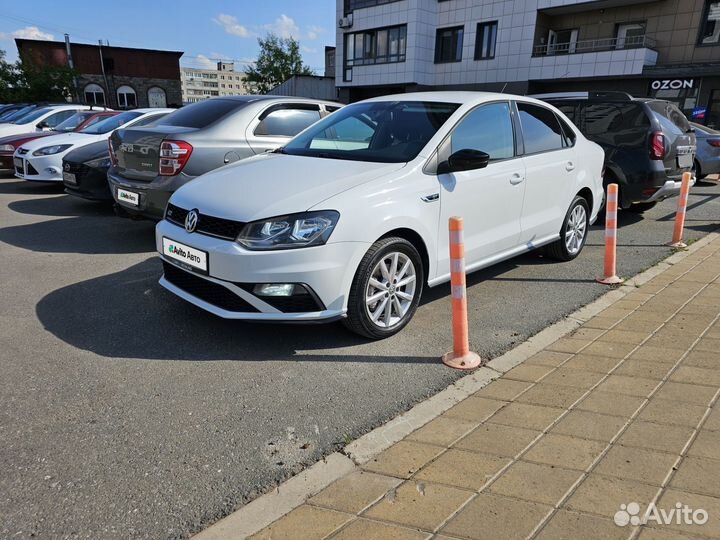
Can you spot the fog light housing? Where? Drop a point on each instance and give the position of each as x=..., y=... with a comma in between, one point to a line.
x=52, y=170
x=274, y=289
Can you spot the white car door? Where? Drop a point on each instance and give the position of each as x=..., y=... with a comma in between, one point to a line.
x=489, y=199
x=550, y=165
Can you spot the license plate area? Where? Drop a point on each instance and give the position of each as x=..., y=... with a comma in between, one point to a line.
x=188, y=257
x=128, y=197
x=69, y=178
x=685, y=161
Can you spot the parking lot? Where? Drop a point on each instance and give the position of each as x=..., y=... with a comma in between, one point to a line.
x=128, y=412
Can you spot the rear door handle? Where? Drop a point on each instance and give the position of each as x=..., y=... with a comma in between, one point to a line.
x=569, y=166
x=516, y=179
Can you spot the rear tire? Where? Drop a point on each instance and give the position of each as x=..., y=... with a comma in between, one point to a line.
x=698, y=171
x=573, y=232
x=386, y=289
x=639, y=208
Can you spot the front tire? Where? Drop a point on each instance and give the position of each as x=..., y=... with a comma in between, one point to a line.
x=573, y=232
x=386, y=289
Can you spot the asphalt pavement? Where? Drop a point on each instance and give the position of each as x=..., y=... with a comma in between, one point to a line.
x=127, y=413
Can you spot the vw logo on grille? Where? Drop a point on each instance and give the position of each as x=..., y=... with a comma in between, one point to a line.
x=191, y=221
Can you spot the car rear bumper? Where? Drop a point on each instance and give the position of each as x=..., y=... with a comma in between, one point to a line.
x=226, y=290
x=153, y=196
x=670, y=188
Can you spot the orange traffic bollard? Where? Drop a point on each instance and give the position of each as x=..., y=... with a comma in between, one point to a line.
x=461, y=357
x=680, y=214
x=611, y=207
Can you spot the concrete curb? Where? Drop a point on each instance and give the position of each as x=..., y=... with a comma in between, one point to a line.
x=270, y=507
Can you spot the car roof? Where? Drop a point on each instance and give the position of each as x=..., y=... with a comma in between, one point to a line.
x=459, y=97
x=152, y=110
x=269, y=98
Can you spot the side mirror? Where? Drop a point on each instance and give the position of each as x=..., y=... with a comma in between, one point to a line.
x=464, y=160
x=42, y=125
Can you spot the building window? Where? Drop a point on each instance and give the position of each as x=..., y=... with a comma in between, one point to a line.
x=485, y=40
x=630, y=35
x=710, y=25
x=94, y=94
x=351, y=5
x=157, y=97
x=126, y=97
x=379, y=46
x=448, y=45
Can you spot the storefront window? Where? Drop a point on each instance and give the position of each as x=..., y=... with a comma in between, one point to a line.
x=682, y=92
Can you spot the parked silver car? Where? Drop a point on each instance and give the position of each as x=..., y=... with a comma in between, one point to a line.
x=150, y=163
x=707, y=159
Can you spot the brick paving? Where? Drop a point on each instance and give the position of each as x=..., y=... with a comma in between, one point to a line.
x=623, y=410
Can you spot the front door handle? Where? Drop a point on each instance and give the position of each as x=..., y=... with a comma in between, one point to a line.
x=569, y=166
x=516, y=179
x=431, y=198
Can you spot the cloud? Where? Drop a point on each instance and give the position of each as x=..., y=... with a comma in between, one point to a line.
x=29, y=32
x=284, y=26
x=313, y=32
x=231, y=26
x=203, y=62
x=308, y=50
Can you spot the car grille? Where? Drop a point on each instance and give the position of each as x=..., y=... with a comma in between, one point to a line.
x=208, y=225
x=206, y=290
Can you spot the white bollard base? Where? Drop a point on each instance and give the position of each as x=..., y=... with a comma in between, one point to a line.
x=467, y=361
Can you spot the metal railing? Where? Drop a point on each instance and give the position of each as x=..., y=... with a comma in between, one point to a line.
x=595, y=45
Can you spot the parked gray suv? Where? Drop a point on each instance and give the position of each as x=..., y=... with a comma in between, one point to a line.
x=150, y=163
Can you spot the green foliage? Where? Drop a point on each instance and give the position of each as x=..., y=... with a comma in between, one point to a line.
x=279, y=59
x=25, y=82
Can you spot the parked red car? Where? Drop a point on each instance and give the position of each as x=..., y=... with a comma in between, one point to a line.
x=76, y=122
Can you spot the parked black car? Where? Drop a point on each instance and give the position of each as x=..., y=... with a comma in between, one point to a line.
x=648, y=142
x=85, y=172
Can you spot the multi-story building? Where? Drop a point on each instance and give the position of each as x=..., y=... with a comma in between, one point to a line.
x=664, y=48
x=118, y=77
x=199, y=84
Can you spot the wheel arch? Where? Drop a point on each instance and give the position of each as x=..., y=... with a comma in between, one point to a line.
x=417, y=241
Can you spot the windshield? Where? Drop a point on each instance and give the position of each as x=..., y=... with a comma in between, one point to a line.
x=381, y=131
x=16, y=113
x=74, y=121
x=32, y=115
x=111, y=123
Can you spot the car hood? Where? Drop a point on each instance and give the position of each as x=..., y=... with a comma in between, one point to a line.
x=275, y=184
x=25, y=137
x=76, y=139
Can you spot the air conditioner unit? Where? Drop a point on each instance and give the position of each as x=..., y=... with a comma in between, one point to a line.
x=346, y=22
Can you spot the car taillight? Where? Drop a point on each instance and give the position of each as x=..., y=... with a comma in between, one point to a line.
x=714, y=142
x=174, y=155
x=113, y=157
x=657, y=146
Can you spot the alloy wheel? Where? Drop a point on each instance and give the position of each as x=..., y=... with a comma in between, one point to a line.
x=576, y=230
x=391, y=289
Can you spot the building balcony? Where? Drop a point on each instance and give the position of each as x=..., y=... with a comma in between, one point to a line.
x=612, y=62
x=595, y=45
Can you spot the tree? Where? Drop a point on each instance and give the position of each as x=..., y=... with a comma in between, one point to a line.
x=279, y=59
x=24, y=81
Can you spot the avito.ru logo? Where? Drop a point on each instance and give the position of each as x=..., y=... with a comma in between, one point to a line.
x=629, y=514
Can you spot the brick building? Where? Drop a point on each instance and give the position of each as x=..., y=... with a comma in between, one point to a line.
x=119, y=77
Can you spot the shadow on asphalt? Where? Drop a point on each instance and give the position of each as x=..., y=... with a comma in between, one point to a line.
x=22, y=187
x=67, y=205
x=86, y=234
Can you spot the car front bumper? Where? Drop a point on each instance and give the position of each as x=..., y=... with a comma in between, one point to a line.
x=326, y=271
x=89, y=183
x=153, y=196
x=670, y=188
x=39, y=168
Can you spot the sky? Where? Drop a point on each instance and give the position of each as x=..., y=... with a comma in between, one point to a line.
x=206, y=30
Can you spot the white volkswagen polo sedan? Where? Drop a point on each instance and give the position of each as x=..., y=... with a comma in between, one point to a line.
x=349, y=220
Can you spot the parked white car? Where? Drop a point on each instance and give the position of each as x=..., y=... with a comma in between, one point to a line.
x=350, y=219
x=41, y=119
x=40, y=160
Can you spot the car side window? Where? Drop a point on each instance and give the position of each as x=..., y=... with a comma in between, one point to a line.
x=541, y=129
x=488, y=129
x=55, y=119
x=568, y=134
x=286, y=122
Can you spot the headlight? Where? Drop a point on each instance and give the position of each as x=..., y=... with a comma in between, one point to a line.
x=7, y=148
x=288, y=232
x=50, y=150
x=99, y=163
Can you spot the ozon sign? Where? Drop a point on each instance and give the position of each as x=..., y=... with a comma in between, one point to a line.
x=672, y=84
